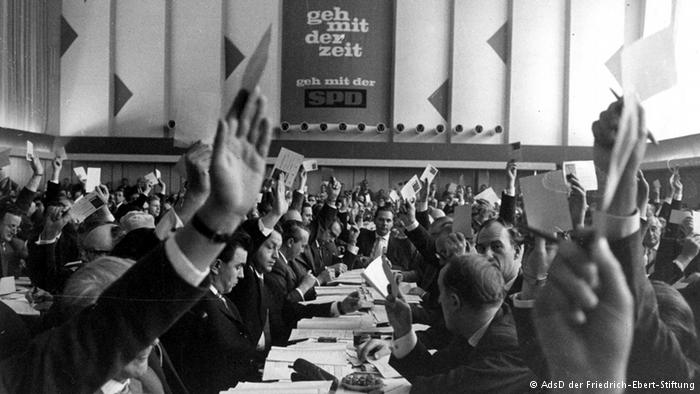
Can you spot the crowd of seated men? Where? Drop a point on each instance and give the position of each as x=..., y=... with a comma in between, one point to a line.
x=188, y=292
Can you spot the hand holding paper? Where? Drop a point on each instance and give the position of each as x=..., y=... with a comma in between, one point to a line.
x=397, y=310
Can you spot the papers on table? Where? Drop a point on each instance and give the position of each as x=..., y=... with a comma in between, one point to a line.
x=429, y=173
x=353, y=277
x=375, y=276
x=324, y=299
x=279, y=370
x=584, y=171
x=546, y=202
x=319, y=353
x=315, y=333
x=288, y=163
x=335, y=290
x=93, y=178
x=488, y=195
x=411, y=188
x=305, y=387
x=7, y=285
x=5, y=157
x=345, y=322
x=463, y=220
x=85, y=207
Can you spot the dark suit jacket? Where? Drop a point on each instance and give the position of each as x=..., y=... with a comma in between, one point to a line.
x=85, y=352
x=252, y=299
x=400, y=251
x=210, y=347
x=46, y=263
x=494, y=365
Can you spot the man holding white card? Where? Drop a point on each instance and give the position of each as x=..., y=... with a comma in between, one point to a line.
x=484, y=354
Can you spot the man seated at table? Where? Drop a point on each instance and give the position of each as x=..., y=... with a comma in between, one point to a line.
x=256, y=303
x=483, y=356
x=210, y=345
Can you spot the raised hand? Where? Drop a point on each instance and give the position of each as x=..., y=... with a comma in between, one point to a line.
x=676, y=184
x=280, y=205
x=334, y=188
x=598, y=346
x=511, y=175
x=642, y=193
x=238, y=160
x=57, y=165
x=577, y=201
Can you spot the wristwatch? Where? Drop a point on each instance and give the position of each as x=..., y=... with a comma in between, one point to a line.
x=213, y=236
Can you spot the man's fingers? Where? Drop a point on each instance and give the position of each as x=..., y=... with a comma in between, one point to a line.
x=576, y=288
x=246, y=117
x=265, y=135
x=260, y=110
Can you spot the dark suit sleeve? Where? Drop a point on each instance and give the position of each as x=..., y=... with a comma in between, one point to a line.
x=656, y=353
x=507, y=211
x=664, y=268
x=44, y=268
x=24, y=200
x=492, y=373
x=297, y=201
x=276, y=282
x=527, y=339
x=423, y=218
x=424, y=243
x=52, y=191
x=89, y=349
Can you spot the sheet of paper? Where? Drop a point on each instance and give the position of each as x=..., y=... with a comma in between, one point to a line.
x=80, y=173
x=7, y=285
x=429, y=173
x=315, y=386
x=21, y=307
x=677, y=216
x=394, y=196
x=463, y=220
x=488, y=195
x=93, y=178
x=279, y=370
x=287, y=162
x=515, y=152
x=546, y=204
x=151, y=178
x=334, y=290
x=5, y=157
x=61, y=153
x=649, y=64
x=316, y=356
x=301, y=333
x=337, y=323
x=30, y=150
x=310, y=165
x=85, y=207
x=382, y=365
x=324, y=299
x=374, y=275
x=584, y=170
x=411, y=188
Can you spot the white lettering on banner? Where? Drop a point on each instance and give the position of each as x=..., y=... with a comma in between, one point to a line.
x=332, y=43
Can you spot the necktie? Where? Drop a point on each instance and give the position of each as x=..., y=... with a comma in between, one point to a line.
x=378, y=248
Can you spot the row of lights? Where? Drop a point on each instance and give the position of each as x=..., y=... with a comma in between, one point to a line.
x=381, y=128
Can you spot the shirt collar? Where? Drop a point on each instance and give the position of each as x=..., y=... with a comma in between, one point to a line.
x=214, y=290
x=284, y=259
x=476, y=336
x=384, y=237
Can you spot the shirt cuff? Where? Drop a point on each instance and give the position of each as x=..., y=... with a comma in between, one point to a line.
x=617, y=227
x=421, y=206
x=264, y=230
x=518, y=303
x=400, y=347
x=300, y=293
x=47, y=241
x=412, y=226
x=168, y=224
x=352, y=249
x=182, y=265
x=335, y=309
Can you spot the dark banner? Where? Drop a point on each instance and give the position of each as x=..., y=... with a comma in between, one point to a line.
x=337, y=61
